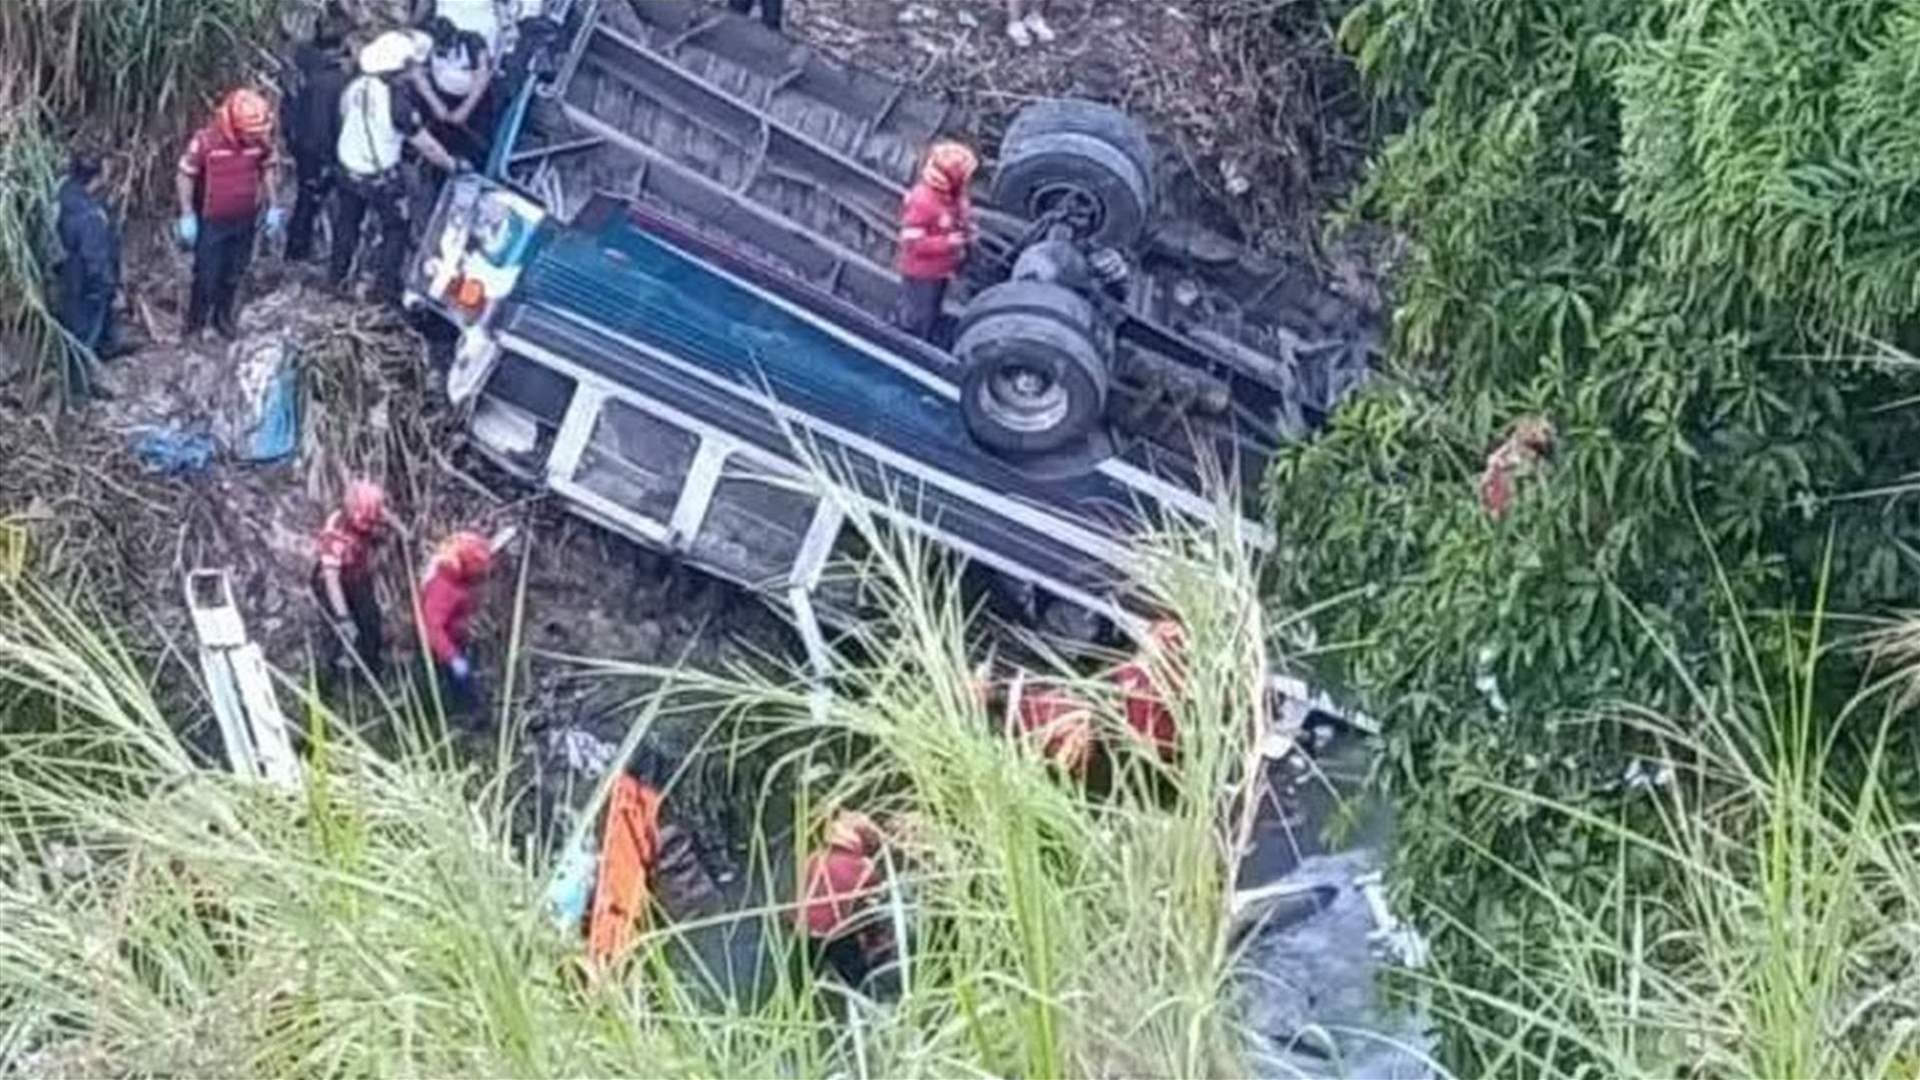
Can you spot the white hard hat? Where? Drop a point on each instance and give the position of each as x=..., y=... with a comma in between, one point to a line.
x=390, y=52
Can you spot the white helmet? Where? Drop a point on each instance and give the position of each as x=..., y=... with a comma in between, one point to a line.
x=393, y=51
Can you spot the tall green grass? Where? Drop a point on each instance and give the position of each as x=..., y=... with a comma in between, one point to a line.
x=386, y=921
x=1757, y=913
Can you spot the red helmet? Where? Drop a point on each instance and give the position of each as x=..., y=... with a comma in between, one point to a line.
x=364, y=505
x=467, y=554
x=950, y=166
x=245, y=115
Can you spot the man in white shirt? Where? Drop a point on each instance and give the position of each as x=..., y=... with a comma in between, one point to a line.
x=379, y=116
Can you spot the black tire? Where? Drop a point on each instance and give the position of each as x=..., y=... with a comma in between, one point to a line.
x=1078, y=149
x=1034, y=380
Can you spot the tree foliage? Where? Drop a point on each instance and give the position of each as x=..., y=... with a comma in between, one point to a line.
x=1670, y=229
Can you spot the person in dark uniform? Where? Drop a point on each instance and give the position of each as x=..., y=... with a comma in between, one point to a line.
x=310, y=115
x=89, y=274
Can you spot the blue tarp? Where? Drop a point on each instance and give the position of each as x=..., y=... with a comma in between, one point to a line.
x=277, y=433
x=172, y=451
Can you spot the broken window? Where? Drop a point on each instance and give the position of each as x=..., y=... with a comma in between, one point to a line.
x=636, y=460
x=756, y=522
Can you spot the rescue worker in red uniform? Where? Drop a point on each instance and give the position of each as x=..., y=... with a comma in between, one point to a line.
x=226, y=178
x=343, y=579
x=840, y=887
x=1056, y=722
x=1147, y=680
x=936, y=225
x=1062, y=726
x=448, y=599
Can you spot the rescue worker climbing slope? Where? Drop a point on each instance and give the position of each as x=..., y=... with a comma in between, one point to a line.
x=448, y=599
x=936, y=225
x=310, y=115
x=379, y=114
x=343, y=579
x=840, y=885
x=89, y=274
x=226, y=178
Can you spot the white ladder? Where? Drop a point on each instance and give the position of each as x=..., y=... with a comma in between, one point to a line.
x=252, y=726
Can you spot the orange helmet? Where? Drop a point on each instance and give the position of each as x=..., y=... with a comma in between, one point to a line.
x=246, y=115
x=950, y=166
x=467, y=554
x=364, y=505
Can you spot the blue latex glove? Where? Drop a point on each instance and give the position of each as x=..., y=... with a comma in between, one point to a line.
x=276, y=220
x=187, y=229
x=459, y=669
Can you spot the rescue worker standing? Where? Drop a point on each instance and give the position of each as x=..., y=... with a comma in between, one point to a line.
x=89, y=274
x=311, y=118
x=448, y=599
x=839, y=886
x=343, y=578
x=936, y=225
x=226, y=178
x=379, y=114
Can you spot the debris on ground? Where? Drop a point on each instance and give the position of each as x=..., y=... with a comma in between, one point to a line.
x=1256, y=98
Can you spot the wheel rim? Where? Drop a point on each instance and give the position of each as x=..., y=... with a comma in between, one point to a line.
x=1077, y=201
x=1024, y=397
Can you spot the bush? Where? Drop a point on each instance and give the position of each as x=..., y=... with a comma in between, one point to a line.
x=1664, y=229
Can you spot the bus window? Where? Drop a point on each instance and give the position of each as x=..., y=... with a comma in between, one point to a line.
x=755, y=524
x=636, y=460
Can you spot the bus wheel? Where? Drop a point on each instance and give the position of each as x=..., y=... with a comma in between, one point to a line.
x=1033, y=379
x=1091, y=161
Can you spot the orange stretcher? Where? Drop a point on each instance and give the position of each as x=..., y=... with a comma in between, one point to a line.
x=629, y=843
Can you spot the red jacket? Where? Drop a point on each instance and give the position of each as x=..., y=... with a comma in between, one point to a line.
x=934, y=227
x=840, y=882
x=342, y=549
x=1147, y=712
x=1062, y=723
x=230, y=174
x=446, y=605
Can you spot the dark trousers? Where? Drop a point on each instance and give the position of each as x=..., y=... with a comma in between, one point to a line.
x=917, y=309
x=461, y=698
x=769, y=10
x=843, y=955
x=386, y=198
x=316, y=182
x=86, y=312
x=220, y=259
x=363, y=610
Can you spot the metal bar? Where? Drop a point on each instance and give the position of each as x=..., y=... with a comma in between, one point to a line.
x=792, y=76
x=672, y=45
x=769, y=217
x=698, y=95
x=563, y=80
x=540, y=152
x=752, y=171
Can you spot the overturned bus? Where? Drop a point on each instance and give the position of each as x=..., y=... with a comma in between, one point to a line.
x=672, y=289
